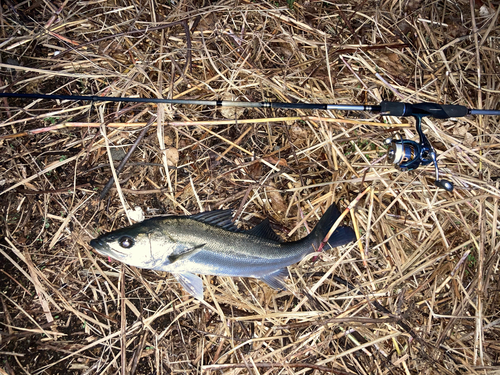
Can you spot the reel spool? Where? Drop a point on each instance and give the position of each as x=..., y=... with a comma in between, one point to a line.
x=401, y=152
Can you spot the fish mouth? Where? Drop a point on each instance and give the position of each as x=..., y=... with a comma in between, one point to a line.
x=103, y=248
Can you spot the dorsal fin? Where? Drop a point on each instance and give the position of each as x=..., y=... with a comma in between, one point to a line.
x=264, y=230
x=218, y=218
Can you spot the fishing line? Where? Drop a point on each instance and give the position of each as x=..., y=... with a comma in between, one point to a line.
x=405, y=154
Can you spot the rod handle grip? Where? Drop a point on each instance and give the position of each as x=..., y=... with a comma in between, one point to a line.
x=423, y=109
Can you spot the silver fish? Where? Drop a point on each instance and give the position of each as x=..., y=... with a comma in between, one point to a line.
x=209, y=243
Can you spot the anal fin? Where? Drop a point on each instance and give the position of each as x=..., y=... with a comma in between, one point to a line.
x=276, y=279
x=191, y=283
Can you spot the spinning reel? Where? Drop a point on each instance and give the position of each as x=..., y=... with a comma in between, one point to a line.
x=409, y=155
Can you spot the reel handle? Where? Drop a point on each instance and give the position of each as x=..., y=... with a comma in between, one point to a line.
x=443, y=184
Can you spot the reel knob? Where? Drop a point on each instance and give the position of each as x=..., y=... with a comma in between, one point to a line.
x=444, y=184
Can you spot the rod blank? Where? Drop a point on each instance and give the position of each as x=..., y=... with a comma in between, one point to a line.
x=484, y=112
x=209, y=103
x=226, y=103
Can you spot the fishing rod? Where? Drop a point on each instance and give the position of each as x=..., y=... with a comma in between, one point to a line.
x=405, y=154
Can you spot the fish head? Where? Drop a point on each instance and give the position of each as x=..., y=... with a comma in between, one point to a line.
x=136, y=245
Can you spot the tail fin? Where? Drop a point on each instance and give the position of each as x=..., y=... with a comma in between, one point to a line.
x=342, y=235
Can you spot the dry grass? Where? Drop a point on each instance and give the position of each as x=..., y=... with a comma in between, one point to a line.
x=423, y=279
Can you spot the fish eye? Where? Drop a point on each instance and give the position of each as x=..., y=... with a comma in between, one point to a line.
x=126, y=242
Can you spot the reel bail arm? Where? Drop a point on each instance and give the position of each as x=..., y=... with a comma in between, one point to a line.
x=409, y=155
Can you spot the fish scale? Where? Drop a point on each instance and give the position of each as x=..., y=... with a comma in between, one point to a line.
x=208, y=243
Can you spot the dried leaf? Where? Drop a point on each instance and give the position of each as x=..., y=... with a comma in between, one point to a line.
x=186, y=193
x=255, y=170
x=231, y=112
x=168, y=140
x=276, y=200
x=460, y=130
x=469, y=140
x=172, y=156
x=485, y=11
x=137, y=214
x=298, y=133
x=278, y=162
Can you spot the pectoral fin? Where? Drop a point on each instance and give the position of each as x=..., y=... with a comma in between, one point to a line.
x=191, y=283
x=276, y=279
x=184, y=253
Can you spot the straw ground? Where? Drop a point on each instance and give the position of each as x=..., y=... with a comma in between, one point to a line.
x=417, y=293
